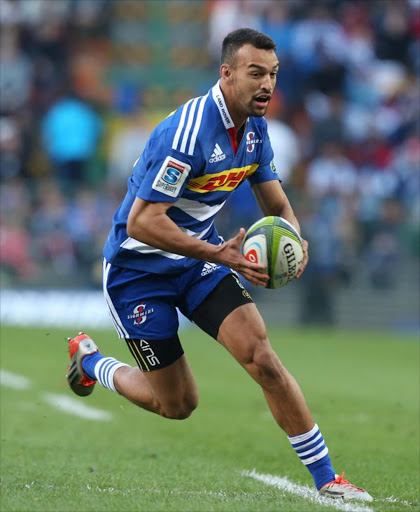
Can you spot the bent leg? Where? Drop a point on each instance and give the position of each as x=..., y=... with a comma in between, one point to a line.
x=171, y=391
x=244, y=335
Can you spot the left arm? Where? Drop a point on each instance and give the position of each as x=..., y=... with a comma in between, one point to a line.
x=273, y=201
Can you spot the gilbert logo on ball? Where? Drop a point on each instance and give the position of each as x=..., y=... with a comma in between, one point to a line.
x=275, y=243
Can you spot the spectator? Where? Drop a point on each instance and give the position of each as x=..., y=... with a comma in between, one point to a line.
x=126, y=146
x=283, y=141
x=71, y=131
x=331, y=174
x=49, y=226
x=345, y=134
x=15, y=72
x=383, y=250
x=228, y=15
x=320, y=282
x=393, y=36
x=10, y=148
x=318, y=41
x=15, y=250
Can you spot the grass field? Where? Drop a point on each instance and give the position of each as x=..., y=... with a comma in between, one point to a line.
x=363, y=390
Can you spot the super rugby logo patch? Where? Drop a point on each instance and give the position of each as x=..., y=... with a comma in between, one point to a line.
x=171, y=176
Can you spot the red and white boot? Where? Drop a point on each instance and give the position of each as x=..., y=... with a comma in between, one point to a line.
x=79, y=347
x=344, y=490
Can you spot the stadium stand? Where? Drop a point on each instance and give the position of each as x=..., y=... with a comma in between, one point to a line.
x=345, y=122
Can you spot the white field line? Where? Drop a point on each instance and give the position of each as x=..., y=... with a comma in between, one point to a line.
x=73, y=406
x=391, y=499
x=13, y=380
x=284, y=484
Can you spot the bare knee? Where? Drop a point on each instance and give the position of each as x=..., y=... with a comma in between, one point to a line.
x=267, y=364
x=243, y=333
x=263, y=364
x=180, y=410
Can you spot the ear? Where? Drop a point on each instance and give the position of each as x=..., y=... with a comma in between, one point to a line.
x=226, y=72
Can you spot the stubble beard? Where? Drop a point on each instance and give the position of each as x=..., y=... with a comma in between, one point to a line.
x=251, y=111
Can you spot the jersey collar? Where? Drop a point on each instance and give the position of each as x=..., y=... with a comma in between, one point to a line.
x=221, y=105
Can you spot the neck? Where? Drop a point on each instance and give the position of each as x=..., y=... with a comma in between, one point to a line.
x=238, y=118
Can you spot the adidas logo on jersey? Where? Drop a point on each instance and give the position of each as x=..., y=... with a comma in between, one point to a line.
x=208, y=268
x=217, y=155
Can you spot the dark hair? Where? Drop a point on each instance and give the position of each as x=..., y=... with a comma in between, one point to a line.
x=238, y=38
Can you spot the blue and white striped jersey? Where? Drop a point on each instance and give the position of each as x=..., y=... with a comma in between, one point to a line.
x=189, y=160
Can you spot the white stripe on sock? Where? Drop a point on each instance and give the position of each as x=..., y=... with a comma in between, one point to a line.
x=309, y=443
x=316, y=457
x=314, y=449
x=104, y=371
x=303, y=437
x=312, y=444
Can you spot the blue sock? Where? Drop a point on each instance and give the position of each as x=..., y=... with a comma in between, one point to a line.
x=89, y=363
x=322, y=471
x=313, y=452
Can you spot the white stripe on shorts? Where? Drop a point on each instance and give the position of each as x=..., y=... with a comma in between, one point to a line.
x=122, y=333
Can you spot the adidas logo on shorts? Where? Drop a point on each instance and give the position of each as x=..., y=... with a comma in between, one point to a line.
x=208, y=268
x=217, y=155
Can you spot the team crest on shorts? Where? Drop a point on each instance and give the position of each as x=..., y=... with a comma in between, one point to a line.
x=139, y=315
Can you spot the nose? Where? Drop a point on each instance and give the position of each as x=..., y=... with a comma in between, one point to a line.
x=267, y=84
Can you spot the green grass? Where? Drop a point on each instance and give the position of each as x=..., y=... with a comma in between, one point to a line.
x=362, y=389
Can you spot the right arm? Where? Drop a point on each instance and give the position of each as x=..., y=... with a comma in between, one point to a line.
x=149, y=223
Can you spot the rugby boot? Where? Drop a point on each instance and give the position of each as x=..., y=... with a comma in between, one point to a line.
x=342, y=489
x=79, y=347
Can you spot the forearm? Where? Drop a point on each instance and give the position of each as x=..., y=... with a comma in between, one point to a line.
x=287, y=213
x=161, y=232
x=149, y=223
x=273, y=201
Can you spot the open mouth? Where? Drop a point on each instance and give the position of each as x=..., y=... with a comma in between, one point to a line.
x=262, y=100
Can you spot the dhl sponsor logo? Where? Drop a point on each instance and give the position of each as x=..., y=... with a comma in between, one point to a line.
x=225, y=180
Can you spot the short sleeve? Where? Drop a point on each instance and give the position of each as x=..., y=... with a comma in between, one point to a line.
x=266, y=170
x=163, y=171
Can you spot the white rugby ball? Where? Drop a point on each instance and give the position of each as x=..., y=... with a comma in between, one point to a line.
x=275, y=243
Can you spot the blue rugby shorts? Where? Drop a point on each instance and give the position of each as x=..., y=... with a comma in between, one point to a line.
x=143, y=305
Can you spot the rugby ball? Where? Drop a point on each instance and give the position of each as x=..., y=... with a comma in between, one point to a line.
x=275, y=243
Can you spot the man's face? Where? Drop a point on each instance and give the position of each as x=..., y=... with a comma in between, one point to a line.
x=254, y=78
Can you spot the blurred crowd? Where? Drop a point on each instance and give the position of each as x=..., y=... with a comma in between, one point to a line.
x=344, y=125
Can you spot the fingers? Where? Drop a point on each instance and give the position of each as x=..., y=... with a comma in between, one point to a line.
x=233, y=257
x=305, y=259
x=239, y=237
x=255, y=278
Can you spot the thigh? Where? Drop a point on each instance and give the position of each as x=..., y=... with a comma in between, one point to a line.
x=197, y=283
x=152, y=355
x=225, y=297
x=141, y=305
x=173, y=384
x=243, y=333
x=170, y=391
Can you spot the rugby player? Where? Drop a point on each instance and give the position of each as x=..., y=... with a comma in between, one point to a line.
x=164, y=252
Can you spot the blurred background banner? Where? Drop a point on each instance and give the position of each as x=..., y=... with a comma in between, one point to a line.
x=83, y=83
